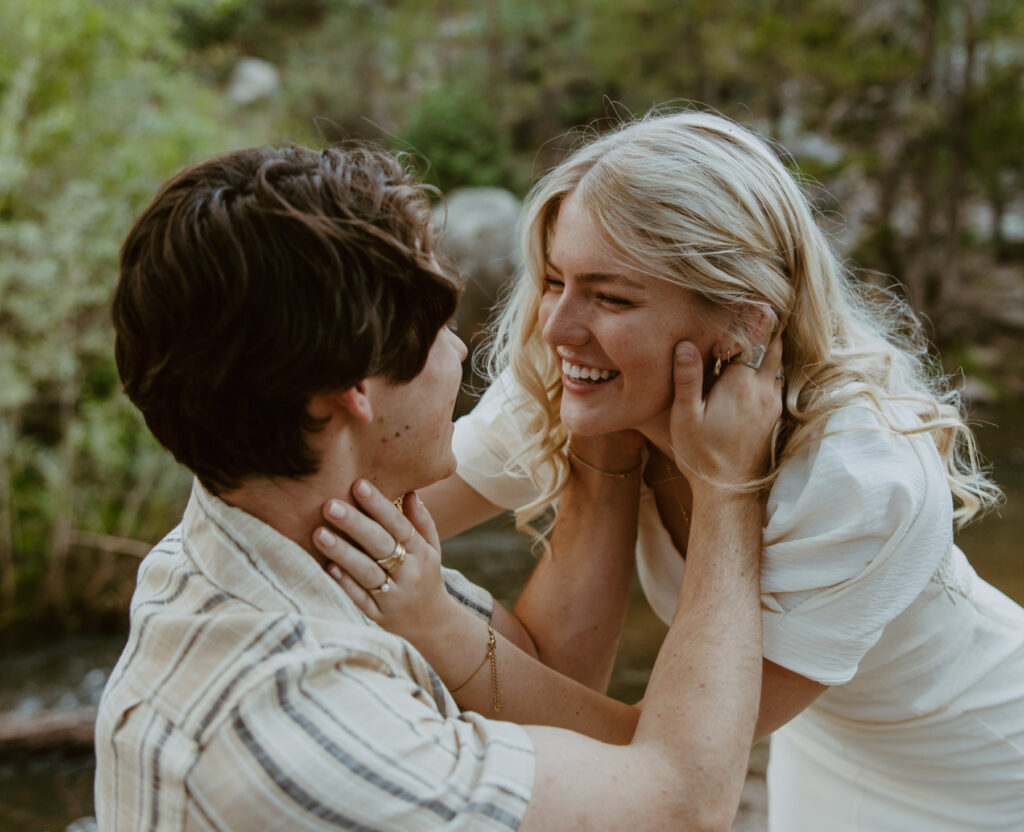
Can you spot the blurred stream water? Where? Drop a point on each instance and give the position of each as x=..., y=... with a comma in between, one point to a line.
x=47, y=793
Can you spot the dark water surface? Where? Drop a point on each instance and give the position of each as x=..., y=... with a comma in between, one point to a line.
x=47, y=793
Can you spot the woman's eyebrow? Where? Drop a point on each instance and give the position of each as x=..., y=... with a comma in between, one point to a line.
x=610, y=277
x=601, y=277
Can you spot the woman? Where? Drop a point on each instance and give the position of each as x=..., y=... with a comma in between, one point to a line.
x=895, y=674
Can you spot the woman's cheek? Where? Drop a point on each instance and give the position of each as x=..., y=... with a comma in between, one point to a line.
x=653, y=391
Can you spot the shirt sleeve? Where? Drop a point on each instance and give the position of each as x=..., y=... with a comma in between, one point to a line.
x=486, y=442
x=334, y=744
x=475, y=598
x=857, y=525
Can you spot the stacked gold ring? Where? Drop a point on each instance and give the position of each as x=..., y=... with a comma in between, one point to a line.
x=393, y=562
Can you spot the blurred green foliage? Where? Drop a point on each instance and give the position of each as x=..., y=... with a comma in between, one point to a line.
x=909, y=112
x=98, y=108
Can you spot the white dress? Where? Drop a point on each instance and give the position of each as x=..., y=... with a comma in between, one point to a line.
x=922, y=727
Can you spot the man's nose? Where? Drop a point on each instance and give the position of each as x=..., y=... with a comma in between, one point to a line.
x=460, y=346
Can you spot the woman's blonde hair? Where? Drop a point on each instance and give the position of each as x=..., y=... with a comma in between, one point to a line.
x=700, y=201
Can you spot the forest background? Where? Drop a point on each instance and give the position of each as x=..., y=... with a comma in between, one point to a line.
x=906, y=118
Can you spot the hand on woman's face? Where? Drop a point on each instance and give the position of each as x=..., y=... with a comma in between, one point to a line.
x=725, y=436
x=614, y=330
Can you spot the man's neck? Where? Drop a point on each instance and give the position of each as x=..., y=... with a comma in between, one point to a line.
x=294, y=507
x=291, y=507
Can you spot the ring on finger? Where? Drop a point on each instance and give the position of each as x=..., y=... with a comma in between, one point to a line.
x=756, y=356
x=393, y=562
x=384, y=587
x=780, y=375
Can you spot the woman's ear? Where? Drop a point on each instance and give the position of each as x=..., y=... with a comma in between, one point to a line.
x=723, y=351
x=751, y=324
x=756, y=322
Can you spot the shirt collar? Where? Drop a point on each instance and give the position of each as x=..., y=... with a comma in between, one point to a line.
x=255, y=562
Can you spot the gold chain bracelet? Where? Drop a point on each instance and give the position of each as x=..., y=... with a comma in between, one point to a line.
x=489, y=656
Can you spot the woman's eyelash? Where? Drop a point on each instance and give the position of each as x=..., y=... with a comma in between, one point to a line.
x=558, y=283
x=614, y=300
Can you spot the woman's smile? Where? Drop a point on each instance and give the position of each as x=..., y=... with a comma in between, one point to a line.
x=583, y=373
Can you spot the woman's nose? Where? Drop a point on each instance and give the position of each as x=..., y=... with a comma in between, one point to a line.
x=566, y=322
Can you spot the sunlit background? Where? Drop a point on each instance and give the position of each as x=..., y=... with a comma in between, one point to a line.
x=905, y=117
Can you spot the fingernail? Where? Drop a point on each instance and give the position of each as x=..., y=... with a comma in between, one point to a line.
x=363, y=488
x=325, y=538
x=334, y=572
x=336, y=509
x=685, y=352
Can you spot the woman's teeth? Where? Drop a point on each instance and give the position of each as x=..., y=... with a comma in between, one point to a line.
x=581, y=373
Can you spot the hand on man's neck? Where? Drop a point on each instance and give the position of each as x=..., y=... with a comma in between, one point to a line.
x=294, y=507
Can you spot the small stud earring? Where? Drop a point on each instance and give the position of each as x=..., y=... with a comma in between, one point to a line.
x=718, y=366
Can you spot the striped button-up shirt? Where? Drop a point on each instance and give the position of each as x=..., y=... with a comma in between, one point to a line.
x=253, y=694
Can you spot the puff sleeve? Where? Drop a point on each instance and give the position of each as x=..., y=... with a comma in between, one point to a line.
x=857, y=525
x=486, y=441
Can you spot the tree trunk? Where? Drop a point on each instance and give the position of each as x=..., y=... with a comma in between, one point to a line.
x=8, y=578
x=63, y=491
x=47, y=732
x=997, y=202
x=946, y=290
x=921, y=264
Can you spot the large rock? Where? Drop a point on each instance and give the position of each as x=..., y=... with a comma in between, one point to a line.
x=480, y=234
x=253, y=79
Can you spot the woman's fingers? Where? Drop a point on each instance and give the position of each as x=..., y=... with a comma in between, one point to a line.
x=365, y=532
x=370, y=543
x=385, y=512
x=763, y=391
x=727, y=436
x=688, y=376
x=399, y=583
x=359, y=596
x=416, y=512
x=747, y=398
x=382, y=532
x=353, y=561
x=744, y=408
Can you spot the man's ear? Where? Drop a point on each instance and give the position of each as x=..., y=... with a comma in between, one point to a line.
x=353, y=402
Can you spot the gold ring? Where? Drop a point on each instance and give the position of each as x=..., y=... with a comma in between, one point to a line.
x=393, y=562
x=384, y=587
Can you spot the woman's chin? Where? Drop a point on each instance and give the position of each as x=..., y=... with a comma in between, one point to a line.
x=590, y=424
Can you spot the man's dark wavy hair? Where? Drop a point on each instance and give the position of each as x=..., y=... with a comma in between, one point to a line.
x=262, y=277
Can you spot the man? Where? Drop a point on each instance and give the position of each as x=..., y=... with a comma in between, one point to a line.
x=280, y=322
